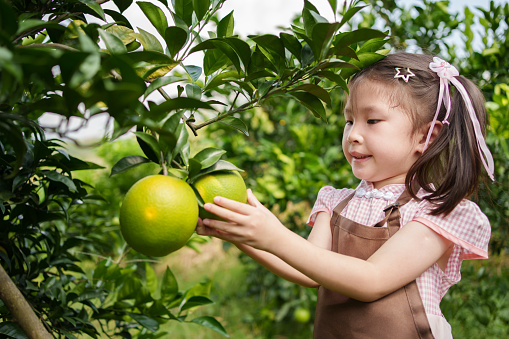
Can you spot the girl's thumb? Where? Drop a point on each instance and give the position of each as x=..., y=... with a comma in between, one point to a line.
x=251, y=199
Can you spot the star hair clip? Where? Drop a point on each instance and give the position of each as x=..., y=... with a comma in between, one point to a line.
x=406, y=76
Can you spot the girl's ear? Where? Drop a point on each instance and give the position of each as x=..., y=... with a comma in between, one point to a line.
x=422, y=134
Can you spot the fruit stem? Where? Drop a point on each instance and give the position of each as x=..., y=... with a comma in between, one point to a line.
x=163, y=165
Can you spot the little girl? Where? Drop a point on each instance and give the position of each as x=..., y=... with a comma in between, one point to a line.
x=384, y=254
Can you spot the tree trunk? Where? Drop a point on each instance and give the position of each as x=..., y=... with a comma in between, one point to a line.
x=20, y=309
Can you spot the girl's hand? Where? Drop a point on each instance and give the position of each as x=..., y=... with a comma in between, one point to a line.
x=251, y=224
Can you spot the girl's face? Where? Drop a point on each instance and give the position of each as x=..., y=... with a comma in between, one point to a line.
x=378, y=140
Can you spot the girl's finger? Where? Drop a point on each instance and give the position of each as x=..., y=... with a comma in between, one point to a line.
x=232, y=205
x=251, y=199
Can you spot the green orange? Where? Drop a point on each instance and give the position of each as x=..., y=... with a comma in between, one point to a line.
x=158, y=215
x=228, y=184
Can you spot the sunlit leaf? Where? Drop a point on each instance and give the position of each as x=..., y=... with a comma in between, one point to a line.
x=155, y=15
x=209, y=156
x=149, y=41
x=112, y=42
x=211, y=323
x=225, y=26
x=220, y=165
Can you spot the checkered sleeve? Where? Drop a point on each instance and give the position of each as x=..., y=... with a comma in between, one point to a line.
x=466, y=226
x=328, y=198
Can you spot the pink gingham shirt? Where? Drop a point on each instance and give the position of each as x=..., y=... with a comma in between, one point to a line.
x=466, y=226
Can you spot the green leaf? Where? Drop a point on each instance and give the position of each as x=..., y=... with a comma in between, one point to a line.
x=14, y=134
x=150, y=141
x=271, y=43
x=312, y=103
x=123, y=4
x=182, y=141
x=94, y=6
x=365, y=59
x=149, y=41
x=220, y=165
x=8, y=19
x=168, y=286
x=334, y=77
x=241, y=48
x=225, y=26
x=112, y=42
x=292, y=44
x=193, y=71
x=12, y=330
x=127, y=163
x=189, y=104
x=221, y=45
x=211, y=323
x=353, y=37
x=213, y=60
x=322, y=35
x=220, y=79
x=193, y=91
x=155, y=15
x=209, y=156
x=349, y=13
x=58, y=177
x=184, y=10
x=160, y=82
x=200, y=8
x=194, y=168
x=195, y=301
x=307, y=56
x=175, y=38
x=333, y=5
x=34, y=24
x=236, y=123
x=151, y=280
x=147, y=322
x=316, y=90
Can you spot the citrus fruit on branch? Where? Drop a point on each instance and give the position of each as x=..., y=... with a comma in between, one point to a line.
x=158, y=215
x=228, y=184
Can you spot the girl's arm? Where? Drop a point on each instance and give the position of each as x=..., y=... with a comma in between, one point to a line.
x=403, y=258
x=319, y=236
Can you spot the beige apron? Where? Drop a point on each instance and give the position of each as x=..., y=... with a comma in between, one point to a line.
x=397, y=315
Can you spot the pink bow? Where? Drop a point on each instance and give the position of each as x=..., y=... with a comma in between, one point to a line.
x=447, y=73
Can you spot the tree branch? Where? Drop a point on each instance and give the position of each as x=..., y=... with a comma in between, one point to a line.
x=20, y=309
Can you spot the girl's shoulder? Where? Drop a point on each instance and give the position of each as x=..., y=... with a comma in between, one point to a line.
x=328, y=198
x=466, y=225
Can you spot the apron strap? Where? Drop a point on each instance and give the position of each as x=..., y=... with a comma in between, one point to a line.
x=392, y=214
x=340, y=207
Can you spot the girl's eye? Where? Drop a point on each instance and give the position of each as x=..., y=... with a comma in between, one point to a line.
x=349, y=122
x=373, y=121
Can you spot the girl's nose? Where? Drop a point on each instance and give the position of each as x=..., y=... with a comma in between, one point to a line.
x=354, y=136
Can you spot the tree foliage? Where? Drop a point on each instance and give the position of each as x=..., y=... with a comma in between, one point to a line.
x=77, y=59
